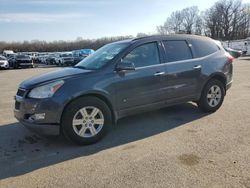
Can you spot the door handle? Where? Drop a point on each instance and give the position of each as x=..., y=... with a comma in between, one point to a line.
x=197, y=67
x=159, y=73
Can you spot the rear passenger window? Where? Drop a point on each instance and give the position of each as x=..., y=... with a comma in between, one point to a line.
x=144, y=55
x=177, y=50
x=204, y=47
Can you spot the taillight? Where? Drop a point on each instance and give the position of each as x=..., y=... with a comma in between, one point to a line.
x=230, y=58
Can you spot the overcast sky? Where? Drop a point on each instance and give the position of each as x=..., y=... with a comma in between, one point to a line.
x=68, y=19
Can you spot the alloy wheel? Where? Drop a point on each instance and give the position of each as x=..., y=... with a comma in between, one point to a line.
x=214, y=96
x=88, y=121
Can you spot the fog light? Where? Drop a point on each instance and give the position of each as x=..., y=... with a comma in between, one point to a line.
x=36, y=117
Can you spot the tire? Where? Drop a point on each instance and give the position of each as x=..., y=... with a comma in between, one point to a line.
x=15, y=66
x=212, y=96
x=72, y=131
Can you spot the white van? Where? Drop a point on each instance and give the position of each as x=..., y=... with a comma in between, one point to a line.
x=8, y=53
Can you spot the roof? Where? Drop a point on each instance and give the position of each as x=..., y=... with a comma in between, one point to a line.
x=163, y=37
x=171, y=36
x=8, y=51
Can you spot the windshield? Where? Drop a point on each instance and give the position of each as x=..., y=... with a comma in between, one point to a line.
x=2, y=58
x=22, y=56
x=103, y=55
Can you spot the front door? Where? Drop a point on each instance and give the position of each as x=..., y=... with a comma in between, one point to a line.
x=143, y=85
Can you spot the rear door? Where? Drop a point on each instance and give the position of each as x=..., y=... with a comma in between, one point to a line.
x=183, y=72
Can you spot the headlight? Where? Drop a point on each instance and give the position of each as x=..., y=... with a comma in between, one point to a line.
x=5, y=62
x=45, y=91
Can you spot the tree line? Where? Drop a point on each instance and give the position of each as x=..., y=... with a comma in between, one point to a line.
x=225, y=20
x=58, y=46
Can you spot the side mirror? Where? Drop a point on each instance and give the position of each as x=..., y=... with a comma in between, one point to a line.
x=125, y=65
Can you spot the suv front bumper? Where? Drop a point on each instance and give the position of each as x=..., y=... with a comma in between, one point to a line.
x=26, y=110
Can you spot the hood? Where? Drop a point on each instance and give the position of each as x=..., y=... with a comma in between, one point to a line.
x=54, y=75
x=23, y=58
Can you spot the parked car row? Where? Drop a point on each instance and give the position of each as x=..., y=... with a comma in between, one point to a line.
x=62, y=58
x=17, y=61
x=9, y=59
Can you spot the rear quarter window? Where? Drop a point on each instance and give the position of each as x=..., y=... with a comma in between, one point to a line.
x=177, y=50
x=204, y=47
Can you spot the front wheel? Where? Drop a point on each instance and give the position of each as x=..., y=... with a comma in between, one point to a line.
x=212, y=96
x=15, y=66
x=86, y=120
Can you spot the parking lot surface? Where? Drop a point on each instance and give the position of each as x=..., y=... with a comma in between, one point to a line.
x=173, y=147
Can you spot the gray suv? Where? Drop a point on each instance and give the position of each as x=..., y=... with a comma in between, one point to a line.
x=121, y=79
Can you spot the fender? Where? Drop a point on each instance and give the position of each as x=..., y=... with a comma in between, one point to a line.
x=217, y=75
x=101, y=94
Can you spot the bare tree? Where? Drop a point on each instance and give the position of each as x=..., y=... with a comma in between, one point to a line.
x=199, y=26
x=184, y=21
x=225, y=20
x=212, y=23
x=228, y=19
x=173, y=24
x=190, y=16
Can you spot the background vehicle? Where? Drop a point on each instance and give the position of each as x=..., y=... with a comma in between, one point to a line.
x=12, y=61
x=4, y=62
x=86, y=52
x=23, y=61
x=35, y=58
x=41, y=57
x=50, y=59
x=124, y=78
x=239, y=45
x=7, y=53
x=79, y=55
x=64, y=59
x=234, y=53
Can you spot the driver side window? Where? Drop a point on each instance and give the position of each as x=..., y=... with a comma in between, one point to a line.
x=144, y=55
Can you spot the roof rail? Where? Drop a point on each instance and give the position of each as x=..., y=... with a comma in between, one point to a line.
x=149, y=36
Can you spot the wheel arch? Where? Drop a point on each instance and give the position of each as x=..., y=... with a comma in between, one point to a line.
x=218, y=76
x=98, y=95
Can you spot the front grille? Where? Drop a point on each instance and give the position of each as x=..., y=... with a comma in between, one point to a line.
x=20, y=92
x=17, y=105
x=24, y=61
x=1, y=63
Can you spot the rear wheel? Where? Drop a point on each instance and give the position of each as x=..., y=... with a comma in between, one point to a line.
x=86, y=120
x=212, y=96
